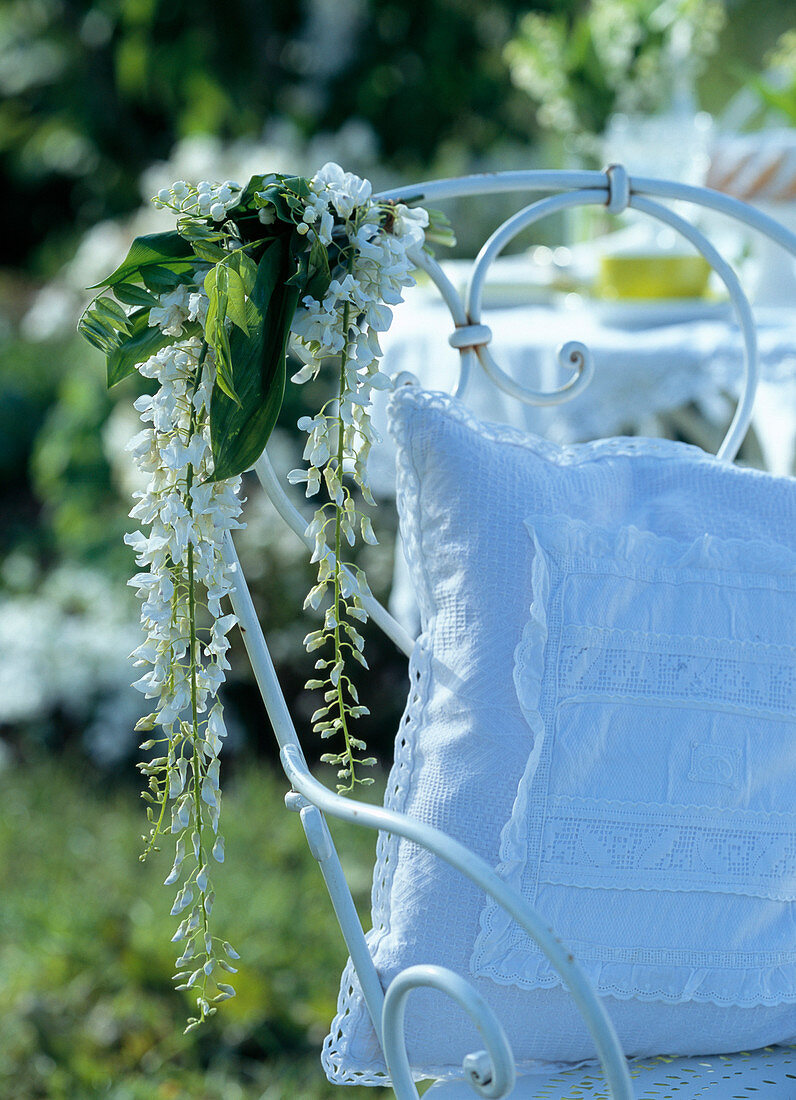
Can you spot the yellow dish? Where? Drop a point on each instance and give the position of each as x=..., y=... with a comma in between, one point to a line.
x=653, y=276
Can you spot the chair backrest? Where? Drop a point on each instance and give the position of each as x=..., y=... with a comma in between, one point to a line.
x=616, y=191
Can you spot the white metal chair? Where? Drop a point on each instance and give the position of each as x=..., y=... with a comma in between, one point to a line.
x=771, y=1072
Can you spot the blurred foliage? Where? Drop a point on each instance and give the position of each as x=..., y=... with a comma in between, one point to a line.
x=88, y=1008
x=95, y=90
x=71, y=473
x=29, y=384
x=580, y=66
x=777, y=87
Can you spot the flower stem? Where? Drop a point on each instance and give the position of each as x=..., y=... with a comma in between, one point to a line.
x=338, y=543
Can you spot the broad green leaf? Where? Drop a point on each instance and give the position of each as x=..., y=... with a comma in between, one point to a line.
x=144, y=341
x=160, y=279
x=245, y=266
x=208, y=251
x=133, y=295
x=111, y=312
x=236, y=300
x=239, y=432
x=154, y=249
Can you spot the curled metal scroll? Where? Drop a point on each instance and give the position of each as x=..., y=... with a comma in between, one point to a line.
x=580, y=363
x=615, y=190
x=743, y=412
x=478, y=871
x=489, y=1072
x=574, y=356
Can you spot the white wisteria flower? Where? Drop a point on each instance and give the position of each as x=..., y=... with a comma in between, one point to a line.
x=375, y=267
x=183, y=573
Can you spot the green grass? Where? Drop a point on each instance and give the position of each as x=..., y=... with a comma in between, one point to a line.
x=87, y=1008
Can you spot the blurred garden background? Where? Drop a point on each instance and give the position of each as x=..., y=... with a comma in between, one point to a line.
x=103, y=103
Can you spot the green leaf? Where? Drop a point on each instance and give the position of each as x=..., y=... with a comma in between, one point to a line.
x=152, y=250
x=240, y=432
x=111, y=312
x=224, y=377
x=197, y=229
x=236, y=300
x=144, y=341
x=211, y=253
x=226, y=299
x=100, y=324
x=98, y=334
x=211, y=279
x=282, y=194
x=245, y=266
x=133, y=295
x=160, y=279
x=216, y=332
x=314, y=272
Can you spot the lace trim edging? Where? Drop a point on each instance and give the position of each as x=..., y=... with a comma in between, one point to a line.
x=352, y=1017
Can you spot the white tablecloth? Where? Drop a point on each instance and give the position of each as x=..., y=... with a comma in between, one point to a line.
x=639, y=373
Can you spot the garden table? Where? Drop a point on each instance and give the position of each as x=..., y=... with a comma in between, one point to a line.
x=690, y=361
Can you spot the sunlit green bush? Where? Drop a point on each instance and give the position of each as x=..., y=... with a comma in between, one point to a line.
x=87, y=1007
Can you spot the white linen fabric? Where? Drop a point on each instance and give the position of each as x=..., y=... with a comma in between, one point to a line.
x=654, y=823
x=465, y=490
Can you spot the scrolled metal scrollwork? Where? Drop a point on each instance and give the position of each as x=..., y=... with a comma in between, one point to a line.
x=478, y=871
x=575, y=356
x=472, y=336
x=489, y=1072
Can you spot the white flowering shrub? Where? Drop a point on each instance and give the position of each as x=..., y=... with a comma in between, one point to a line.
x=206, y=312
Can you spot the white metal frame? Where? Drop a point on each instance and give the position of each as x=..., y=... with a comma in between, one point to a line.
x=490, y=1072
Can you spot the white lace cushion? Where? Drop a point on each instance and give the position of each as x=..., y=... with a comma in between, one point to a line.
x=465, y=490
x=654, y=824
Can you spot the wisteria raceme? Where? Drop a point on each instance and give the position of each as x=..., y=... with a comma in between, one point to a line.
x=182, y=584
x=375, y=267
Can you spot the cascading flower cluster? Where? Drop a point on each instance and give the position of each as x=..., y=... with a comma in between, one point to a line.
x=206, y=313
x=183, y=581
x=373, y=269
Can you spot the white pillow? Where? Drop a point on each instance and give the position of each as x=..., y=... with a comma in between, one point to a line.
x=654, y=825
x=465, y=490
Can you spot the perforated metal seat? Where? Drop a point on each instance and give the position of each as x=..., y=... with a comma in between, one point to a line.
x=748, y=1076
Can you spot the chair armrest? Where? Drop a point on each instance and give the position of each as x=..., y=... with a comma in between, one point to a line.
x=479, y=871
